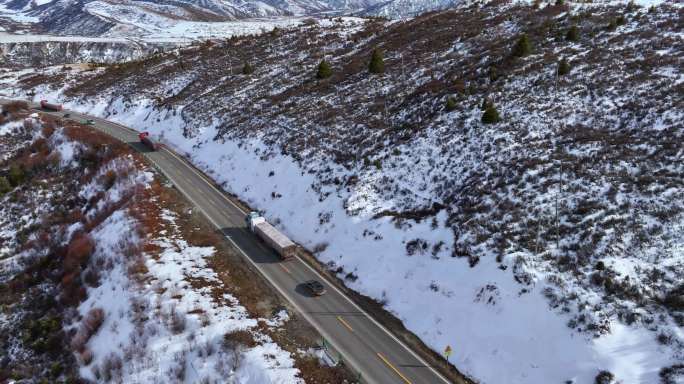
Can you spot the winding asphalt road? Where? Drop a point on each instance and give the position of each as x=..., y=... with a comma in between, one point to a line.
x=361, y=341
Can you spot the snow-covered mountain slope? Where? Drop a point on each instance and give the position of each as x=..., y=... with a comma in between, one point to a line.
x=546, y=247
x=408, y=8
x=165, y=18
x=133, y=18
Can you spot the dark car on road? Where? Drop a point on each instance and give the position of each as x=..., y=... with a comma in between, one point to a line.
x=315, y=287
x=67, y=115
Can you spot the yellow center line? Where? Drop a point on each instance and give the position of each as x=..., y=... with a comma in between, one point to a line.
x=285, y=269
x=341, y=320
x=384, y=359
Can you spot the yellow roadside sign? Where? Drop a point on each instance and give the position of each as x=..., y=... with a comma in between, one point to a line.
x=448, y=351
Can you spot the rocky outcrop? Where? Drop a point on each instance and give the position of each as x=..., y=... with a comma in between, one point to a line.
x=44, y=53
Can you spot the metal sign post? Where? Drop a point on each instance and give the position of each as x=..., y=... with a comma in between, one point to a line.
x=447, y=353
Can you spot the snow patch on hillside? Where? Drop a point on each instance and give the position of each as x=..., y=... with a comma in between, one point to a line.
x=66, y=148
x=172, y=343
x=9, y=127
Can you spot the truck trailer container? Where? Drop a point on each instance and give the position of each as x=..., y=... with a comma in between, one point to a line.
x=50, y=106
x=144, y=138
x=271, y=236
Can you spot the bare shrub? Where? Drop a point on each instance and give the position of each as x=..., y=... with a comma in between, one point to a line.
x=319, y=248
x=416, y=246
x=79, y=340
x=96, y=372
x=177, y=321
x=672, y=374
x=207, y=349
x=204, y=319
x=178, y=371
x=237, y=356
x=89, y=326
x=237, y=338
x=92, y=277
x=108, y=179
x=80, y=249
x=86, y=356
x=604, y=377
x=48, y=129
x=15, y=106
x=93, y=320
x=111, y=367
x=138, y=269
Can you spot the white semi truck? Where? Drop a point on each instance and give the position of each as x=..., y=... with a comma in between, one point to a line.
x=269, y=234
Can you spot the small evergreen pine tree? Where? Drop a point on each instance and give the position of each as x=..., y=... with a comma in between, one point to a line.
x=450, y=104
x=536, y=4
x=563, y=67
x=377, y=63
x=16, y=175
x=485, y=104
x=573, y=34
x=632, y=6
x=493, y=75
x=247, y=69
x=523, y=47
x=560, y=2
x=4, y=185
x=490, y=115
x=324, y=70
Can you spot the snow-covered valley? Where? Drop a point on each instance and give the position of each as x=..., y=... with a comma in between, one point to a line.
x=545, y=247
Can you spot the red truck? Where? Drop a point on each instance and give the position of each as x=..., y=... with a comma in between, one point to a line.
x=145, y=139
x=49, y=106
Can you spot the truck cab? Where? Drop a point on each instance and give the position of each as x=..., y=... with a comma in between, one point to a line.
x=253, y=219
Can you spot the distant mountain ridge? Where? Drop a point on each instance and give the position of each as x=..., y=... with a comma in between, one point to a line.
x=99, y=17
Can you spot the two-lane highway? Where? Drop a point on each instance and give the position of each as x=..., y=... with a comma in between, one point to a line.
x=363, y=343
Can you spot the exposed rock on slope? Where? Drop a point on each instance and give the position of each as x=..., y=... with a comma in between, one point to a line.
x=44, y=53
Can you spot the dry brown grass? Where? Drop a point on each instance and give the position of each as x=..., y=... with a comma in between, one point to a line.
x=15, y=106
